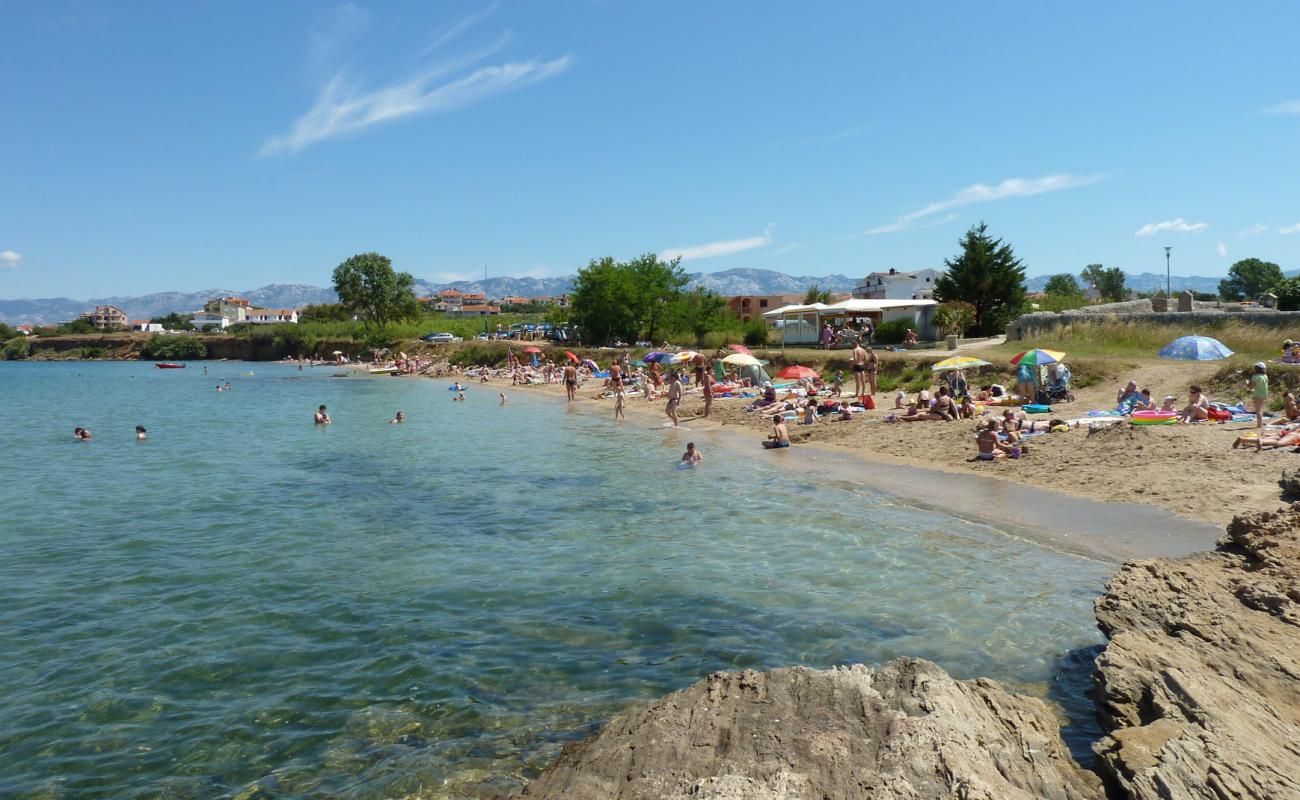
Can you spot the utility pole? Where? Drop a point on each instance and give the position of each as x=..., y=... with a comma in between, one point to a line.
x=485, y=300
x=1169, y=281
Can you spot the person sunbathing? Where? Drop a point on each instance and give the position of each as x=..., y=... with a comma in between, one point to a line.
x=943, y=406
x=1198, y=406
x=1289, y=407
x=916, y=413
x=1013, y=420
x=1282, y=439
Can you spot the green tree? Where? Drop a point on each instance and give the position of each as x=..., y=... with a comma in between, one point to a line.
x=324, y=312
x=701, y=311
x=603, y=302
x=1249, y=278
x=177, y=347
x=7, y=332
x=1109, y=282
x=954, y=317
x=612, y=300
x=987, y=275
x=1288, y=294
x=175, y=322
x=816, y=295
x=660, y=284
x=368, y=287
x=1063, y=285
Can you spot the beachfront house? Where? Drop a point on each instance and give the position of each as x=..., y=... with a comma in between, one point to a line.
x=478, y=310
x=514, y=300
x=268, y=316
x=896, y=285
x=107, y=318
x=208, y=320
x=802, y=324
x=233, y=309
x=753, y=306
x=25, y=330
x=448, y=299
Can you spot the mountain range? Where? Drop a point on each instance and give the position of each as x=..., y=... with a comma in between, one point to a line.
x=295, y=295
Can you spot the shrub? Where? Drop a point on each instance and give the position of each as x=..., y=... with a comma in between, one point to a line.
x=177, y=347
x=755, y=333
x=17, y=348
x=892, y=332
x=473, y=354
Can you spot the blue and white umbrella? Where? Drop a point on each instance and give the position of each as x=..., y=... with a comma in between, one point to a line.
x=1195, y=348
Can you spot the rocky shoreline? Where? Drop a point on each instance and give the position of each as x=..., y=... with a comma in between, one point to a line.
x=1198, y=692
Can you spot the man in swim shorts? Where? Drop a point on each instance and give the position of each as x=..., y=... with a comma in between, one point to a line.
x=674, y=397
x=322, y=418
x=571, y=382
x=780, y=435
x=859, y=361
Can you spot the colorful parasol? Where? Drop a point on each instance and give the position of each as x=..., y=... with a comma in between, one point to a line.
x=1038, y=358
x=959, y=362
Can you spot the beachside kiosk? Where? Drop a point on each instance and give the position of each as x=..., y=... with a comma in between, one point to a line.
x=802, y=324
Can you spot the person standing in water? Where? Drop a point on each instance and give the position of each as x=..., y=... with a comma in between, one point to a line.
x=503, y=398
x=859, y=361
x=322, y=417
x=140, y=433
x=571, y=382
x=619, y=397
x=674, y=397
x=398, y=420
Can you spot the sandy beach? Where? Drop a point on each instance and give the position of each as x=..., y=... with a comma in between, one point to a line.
x=1190, y=470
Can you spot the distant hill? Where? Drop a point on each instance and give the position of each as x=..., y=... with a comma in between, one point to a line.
x=295, y=295
x=1145, y=282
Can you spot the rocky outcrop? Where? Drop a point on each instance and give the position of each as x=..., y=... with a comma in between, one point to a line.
x=1199, y=689
x=905, y=730
x=1200, y=683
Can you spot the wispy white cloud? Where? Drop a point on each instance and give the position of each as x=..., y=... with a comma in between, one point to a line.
x=1221, y=249
x=1287, y=230
x=1286, y=107
x=455, y=29
x=1254, y=230
x=342, y=109
x=714, y=249
x=10, y=259
x=983, y=193
x=1178, y=225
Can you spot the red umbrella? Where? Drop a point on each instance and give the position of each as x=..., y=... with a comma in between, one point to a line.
x=568, y=355
x=797, y=373
x=739, y=348
x=531, y=350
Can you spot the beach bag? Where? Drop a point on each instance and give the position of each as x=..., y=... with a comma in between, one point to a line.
x=868, y=402
x=1220, y=414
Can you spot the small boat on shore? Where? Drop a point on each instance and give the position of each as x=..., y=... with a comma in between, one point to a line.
x=384, y=371
x=168, y=365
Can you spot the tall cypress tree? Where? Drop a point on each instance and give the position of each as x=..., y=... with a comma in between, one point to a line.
x=987, y=275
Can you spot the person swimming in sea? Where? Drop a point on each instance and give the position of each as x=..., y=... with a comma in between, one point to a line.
x=322, y=417
x=692, y=455
x=81, y=434
x=398, y=420
x=140, y=433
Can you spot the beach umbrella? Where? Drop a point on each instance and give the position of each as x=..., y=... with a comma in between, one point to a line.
x=738, y=348
x=1195, y=348
x=743, y=360
x=570, y=356
x=638, y=363
x=653, y=357
x=532, y=350
x=587, y=362
x=684, y=356
x=959, y=362
x=797, y=373
x=338, y=352
x=1038, y=358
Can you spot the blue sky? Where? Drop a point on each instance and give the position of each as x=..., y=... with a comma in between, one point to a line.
x=153, y=146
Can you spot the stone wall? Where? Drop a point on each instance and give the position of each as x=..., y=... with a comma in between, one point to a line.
x=1031, y=326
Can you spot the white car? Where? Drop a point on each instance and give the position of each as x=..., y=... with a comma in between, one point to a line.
x=441, y=338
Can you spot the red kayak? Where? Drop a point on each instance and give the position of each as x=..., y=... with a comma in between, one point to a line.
x=165, y=365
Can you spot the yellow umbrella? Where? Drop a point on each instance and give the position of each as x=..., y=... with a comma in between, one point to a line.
x=743, y=360
x=959, y=362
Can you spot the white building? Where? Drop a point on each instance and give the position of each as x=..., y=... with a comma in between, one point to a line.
x=207, y=320
x=895, y=285
x=801, y=324
x=268, y=316
x=145, y=326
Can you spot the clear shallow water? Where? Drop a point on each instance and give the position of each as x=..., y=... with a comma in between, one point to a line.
x=247, y=603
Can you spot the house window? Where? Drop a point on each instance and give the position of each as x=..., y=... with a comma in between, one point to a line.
x=762, y=304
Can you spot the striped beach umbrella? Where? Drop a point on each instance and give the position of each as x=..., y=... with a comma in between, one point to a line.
x=1037, y=357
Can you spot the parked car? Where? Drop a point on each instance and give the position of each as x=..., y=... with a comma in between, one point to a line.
x=440, y=338
x=483, y=337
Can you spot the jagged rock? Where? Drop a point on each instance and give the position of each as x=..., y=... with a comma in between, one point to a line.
x=1200, y=683
x=905, y=730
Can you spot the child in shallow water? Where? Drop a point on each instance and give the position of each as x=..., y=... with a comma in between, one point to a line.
x=692, y=455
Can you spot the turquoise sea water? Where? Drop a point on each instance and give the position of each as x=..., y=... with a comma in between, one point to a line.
x=249, y=605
